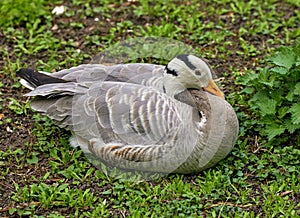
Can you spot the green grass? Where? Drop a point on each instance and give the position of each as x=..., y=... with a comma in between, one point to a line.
x=42, y=176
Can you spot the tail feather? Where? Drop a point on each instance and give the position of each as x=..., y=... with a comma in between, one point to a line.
x=34, y=78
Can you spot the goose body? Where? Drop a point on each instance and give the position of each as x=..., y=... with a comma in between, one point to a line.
x=140, y=116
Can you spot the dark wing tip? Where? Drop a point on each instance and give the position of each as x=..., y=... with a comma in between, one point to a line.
x=24, y=72
x=28, y=76
x=36, y=78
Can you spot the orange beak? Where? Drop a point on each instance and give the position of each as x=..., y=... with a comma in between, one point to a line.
x=214, y=89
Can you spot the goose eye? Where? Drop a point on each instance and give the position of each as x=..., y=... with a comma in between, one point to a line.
x=198, y=72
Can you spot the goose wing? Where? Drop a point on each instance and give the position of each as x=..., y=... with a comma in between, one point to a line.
x=120, y=121
x=144, y=74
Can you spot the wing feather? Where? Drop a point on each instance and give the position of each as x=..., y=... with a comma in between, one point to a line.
x=123, y=109
x=87, y=74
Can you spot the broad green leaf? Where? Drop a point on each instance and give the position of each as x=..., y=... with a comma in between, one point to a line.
x=295, y=111
x=248, y=78
x=284, y=58
x=290, y=95
x=266, y=106
x=274, y=130
x=269, y=83
x=280, y=70
x=276, y=95
x=290, y=126
x=12, y=210
x=247, y=90
x=283, y=111
x=297, y=89
x=266, y=78
x=32, y=160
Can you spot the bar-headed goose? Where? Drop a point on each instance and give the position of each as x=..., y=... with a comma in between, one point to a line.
x=140, y=116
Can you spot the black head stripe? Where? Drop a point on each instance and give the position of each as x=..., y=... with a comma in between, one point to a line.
x=172, y=72
x=185, y=59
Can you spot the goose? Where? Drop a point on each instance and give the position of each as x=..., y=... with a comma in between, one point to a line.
x=144, y=117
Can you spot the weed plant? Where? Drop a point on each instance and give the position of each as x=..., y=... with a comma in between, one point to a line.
x=275, y=96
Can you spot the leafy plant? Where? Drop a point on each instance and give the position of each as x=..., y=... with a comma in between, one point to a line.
x=276, y=99
x=15, y=12
x=55, y=195
x=17, y=107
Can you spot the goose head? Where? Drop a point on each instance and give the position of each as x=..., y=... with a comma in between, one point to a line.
x=188, y=71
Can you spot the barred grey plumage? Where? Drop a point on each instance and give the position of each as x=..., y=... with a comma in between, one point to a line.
x=140, y=116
